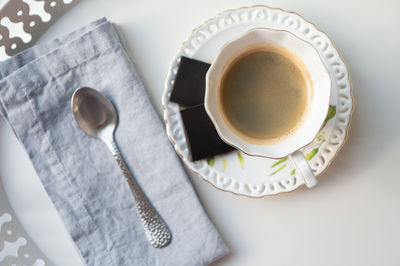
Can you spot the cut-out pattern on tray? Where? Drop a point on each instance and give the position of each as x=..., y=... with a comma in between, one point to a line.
x=15, y=247
x=23, y=21
x=254, y=176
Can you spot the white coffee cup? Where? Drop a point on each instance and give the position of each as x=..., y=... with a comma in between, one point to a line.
x=317, y=107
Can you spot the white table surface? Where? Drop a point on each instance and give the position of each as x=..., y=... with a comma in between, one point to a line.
x=351, y=218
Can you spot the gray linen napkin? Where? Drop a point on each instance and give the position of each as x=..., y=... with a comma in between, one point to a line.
x=80, y=174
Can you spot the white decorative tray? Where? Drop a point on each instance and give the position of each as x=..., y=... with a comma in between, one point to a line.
x=248, y=175
x=21, y=23
x=16, y=248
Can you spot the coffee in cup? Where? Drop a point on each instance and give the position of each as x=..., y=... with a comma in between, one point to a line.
x=264, y=93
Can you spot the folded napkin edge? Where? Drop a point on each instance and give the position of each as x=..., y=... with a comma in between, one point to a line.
x=63, y=57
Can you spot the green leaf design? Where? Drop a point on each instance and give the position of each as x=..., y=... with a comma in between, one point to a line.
x=211, y=161
x=311, y=154
x=280, y=168
x=223, y=164
x=280, y=161
x=241, y=159
x=331, y=112
x=293, y=171
x=321, y=137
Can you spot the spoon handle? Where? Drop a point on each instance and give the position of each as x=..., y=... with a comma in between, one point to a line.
x=156, y=230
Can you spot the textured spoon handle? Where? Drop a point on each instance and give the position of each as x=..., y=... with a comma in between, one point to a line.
x=156, y=230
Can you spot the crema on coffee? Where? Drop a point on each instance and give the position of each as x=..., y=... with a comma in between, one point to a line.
x=264, y=92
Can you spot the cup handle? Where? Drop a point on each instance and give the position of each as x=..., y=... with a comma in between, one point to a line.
x=304, y=168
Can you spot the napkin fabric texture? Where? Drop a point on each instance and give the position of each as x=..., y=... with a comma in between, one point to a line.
x=80, y=174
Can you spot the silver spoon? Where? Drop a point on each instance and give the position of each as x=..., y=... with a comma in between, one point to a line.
x=97, y=117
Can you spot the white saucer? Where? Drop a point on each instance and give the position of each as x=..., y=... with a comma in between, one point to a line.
x=235, y=171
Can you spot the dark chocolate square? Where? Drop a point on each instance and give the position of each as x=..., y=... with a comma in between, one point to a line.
x=190, y=82
x=203, y=139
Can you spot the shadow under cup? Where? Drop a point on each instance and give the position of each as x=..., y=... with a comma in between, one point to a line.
x=316, y=108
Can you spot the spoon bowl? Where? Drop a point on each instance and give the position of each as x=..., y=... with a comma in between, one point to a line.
x=93, y=112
